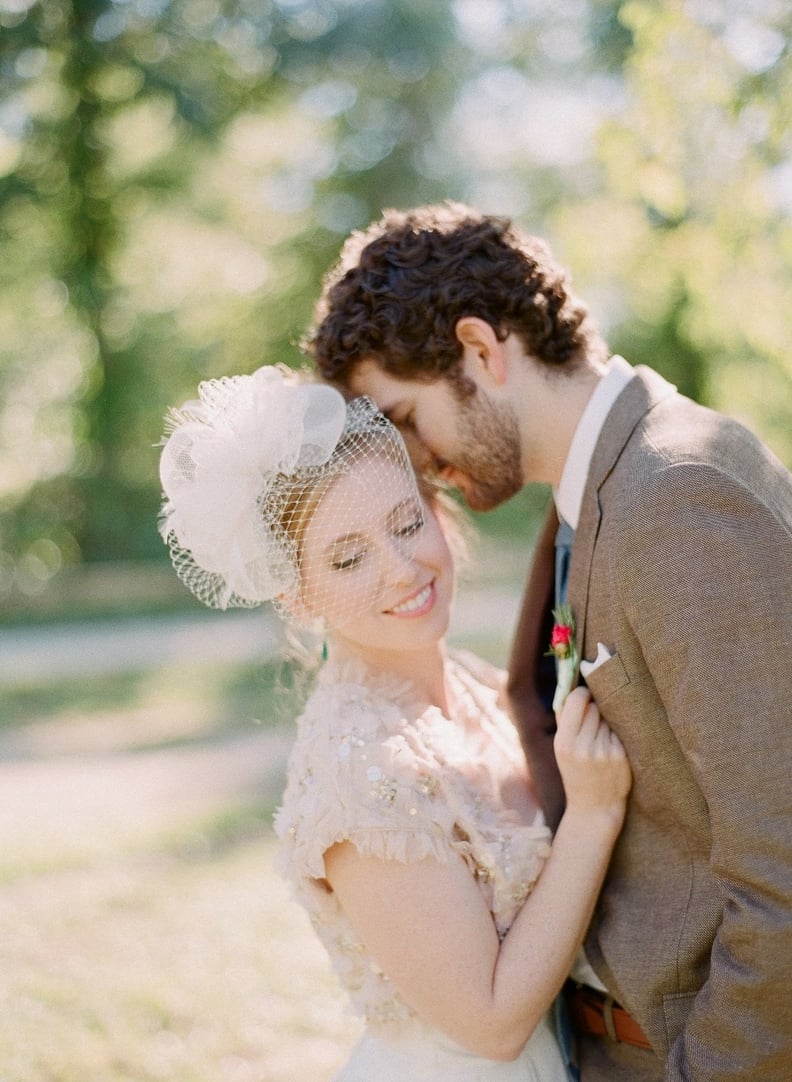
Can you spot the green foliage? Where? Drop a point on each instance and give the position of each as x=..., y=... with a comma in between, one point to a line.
x=186, y=172
x=689, y=238
x=176, y=176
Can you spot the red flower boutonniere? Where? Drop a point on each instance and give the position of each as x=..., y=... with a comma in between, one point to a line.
x=564, y=649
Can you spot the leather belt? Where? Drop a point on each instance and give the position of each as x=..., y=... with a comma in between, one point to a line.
x=596, y=1013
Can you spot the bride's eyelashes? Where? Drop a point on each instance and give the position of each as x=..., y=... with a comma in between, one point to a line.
x=413, y=528
x=346, y=563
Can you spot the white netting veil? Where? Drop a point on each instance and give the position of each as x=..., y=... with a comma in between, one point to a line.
x=277, y=489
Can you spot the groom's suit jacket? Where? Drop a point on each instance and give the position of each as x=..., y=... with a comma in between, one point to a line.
x=682, y=569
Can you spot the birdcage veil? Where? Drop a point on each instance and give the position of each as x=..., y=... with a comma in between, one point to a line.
x=245, y=470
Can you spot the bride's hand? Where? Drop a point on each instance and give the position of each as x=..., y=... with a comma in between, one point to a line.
x=591, y=758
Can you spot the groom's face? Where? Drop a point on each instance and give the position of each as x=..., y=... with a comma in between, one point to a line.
x=471, y=442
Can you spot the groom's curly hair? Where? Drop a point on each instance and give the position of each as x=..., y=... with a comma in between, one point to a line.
x=401, y=285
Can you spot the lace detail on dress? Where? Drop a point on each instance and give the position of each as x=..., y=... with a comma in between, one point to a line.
x=372, y=766
x=366, y=780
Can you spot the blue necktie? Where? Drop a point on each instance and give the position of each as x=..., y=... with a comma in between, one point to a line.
x=565, y=535
x=563, y=555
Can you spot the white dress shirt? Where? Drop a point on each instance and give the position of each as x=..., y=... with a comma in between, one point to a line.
x=569, y=494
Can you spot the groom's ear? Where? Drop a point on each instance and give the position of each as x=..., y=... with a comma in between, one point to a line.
x=483, y=352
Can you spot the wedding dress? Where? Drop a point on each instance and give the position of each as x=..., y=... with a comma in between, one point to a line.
x=373, y=765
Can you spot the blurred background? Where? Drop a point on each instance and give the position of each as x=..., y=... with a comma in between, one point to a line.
x=178, y=174
x=175, y=178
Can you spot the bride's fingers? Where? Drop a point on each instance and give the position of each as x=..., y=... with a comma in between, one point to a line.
x=592, y=724
x=582, y=732
x=606, y=745
x=579, y=724
x=572, y=715
x=617, y=748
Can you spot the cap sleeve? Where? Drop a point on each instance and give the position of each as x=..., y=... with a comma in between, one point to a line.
x=368, y=779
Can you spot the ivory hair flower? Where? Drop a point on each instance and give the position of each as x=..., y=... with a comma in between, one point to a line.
x=221, y=456
x=564, y=648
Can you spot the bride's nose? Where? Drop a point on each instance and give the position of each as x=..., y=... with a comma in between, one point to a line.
x=399, y=561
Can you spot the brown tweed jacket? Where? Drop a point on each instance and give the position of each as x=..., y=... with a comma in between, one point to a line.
x=682, y=568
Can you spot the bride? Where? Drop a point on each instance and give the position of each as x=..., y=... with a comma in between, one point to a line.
x=409, y=827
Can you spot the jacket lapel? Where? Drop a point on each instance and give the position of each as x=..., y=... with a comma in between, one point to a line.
x=644, y=391
x=531, y=680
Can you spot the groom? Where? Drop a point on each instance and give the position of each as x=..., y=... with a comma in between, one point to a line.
x=465, y=332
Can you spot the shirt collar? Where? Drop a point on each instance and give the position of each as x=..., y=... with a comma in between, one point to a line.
x=569, y=493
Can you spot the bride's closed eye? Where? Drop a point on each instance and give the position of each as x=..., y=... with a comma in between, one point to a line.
x=407, y=518
x=346, y=553
x=412, y=527
x=346, y=563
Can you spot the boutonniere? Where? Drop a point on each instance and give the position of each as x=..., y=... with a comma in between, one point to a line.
x=564, y=649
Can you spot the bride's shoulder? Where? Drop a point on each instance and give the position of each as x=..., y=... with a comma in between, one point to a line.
x=361, y=757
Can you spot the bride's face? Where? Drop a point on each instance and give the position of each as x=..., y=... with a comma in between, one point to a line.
x=375, y=562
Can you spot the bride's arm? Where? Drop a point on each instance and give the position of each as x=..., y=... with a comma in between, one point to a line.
x=427, y=925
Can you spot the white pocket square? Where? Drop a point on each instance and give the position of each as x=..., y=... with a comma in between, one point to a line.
x=603, y=655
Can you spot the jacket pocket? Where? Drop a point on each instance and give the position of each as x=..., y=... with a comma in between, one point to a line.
x=607, y=678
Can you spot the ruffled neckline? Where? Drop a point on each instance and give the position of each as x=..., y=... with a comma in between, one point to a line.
x=354, y=671
x=401, y=691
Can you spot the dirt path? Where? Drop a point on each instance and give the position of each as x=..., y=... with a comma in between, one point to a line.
x=77, y=808
x=51, y=652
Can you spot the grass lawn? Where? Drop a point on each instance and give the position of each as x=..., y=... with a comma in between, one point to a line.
x=143, y=934
x=185, y=966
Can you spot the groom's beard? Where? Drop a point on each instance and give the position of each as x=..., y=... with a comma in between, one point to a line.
x=490, y=455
